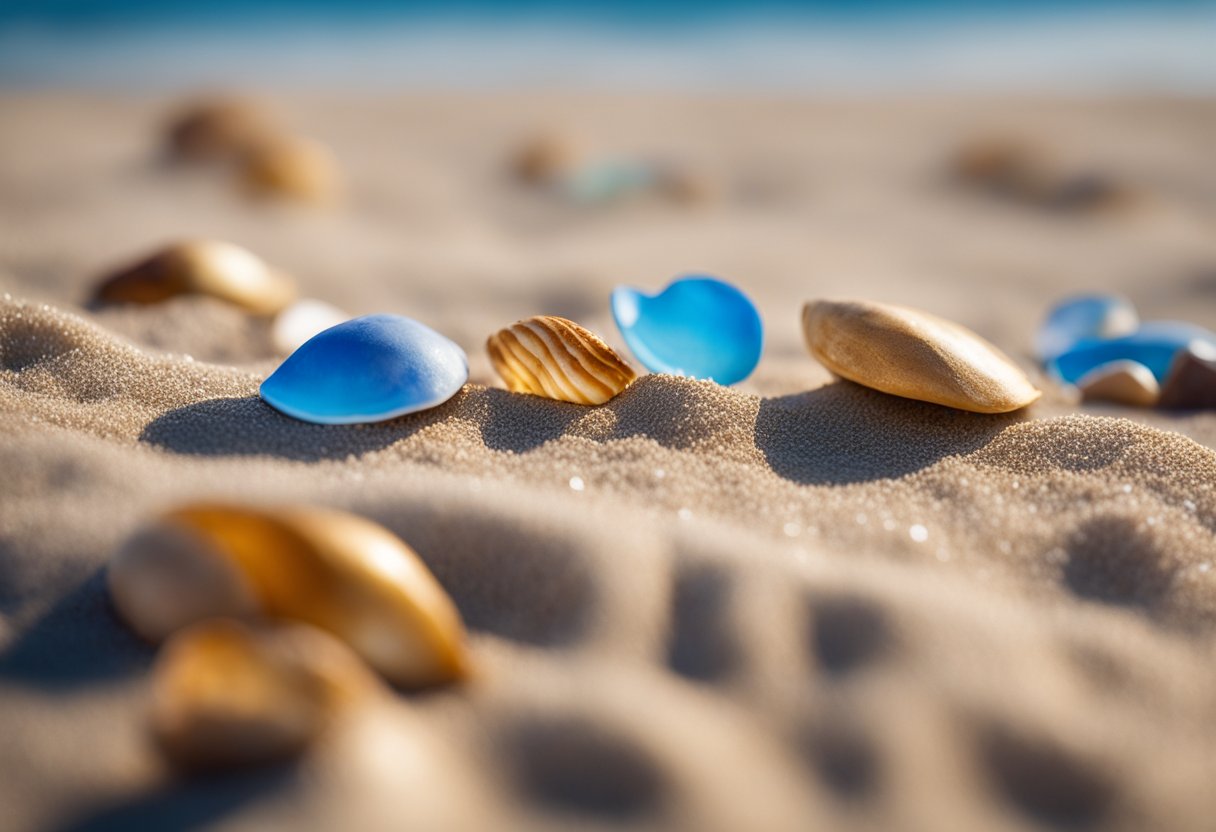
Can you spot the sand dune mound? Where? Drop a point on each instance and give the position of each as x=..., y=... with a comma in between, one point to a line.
x=692, y=607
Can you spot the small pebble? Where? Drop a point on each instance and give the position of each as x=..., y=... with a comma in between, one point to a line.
x=697, y=326
x=200, y=267
x=916, y=355
x=369, y=369
x=1191, y=382
x=226, y=695
x=558, y=359
x=1121, y=382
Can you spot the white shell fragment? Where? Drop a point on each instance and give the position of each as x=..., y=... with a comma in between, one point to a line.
x=302, y=320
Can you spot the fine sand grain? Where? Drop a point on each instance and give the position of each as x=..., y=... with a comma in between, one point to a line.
x=797, y=604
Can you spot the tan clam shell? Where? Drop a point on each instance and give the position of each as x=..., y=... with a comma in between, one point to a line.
x=558, y=359
x=341, y=573
x=1121, y=382
x=292, y=167
x=916, y=355
x=203, y=267
x=225, y=694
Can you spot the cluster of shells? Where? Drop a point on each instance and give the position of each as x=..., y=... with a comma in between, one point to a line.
x=894, y=349
x=276, y=622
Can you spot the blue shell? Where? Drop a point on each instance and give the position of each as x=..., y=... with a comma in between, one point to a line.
x=1154, y=345
x=698, y=326
x=1083, y=317
x=367, y=370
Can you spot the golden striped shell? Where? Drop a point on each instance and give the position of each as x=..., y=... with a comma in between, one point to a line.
x=558, y=359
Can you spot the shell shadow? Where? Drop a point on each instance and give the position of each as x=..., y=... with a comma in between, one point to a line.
x=845, y=433
x=185, y=805
x=574, y=767
x=79, y=641
x=247, y=426
x=519, y=422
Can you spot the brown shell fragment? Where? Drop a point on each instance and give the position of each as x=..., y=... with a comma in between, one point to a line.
x=227, y=695
x=200, y=267
x=558, y=359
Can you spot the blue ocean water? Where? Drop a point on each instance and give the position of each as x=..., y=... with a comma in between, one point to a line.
x=1108, y=45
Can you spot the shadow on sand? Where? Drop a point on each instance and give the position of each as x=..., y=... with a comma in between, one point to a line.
x=845, y=433
x=191, y=804
x=79, y=641
x=247, y=426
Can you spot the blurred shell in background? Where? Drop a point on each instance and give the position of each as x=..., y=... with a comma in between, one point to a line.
x=1025, y=171
x=216, y=129
x=202, y=267
x=546, y=158
x=292, y=168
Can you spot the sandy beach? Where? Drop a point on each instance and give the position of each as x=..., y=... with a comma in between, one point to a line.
x=790, y=604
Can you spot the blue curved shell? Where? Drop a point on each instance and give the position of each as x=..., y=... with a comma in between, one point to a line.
x=367, y=370
x=1154, y=345
x=697, y=326
x=1084, y=317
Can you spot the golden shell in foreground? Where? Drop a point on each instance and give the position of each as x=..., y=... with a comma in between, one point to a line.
x=226, y=695
x=201, y=267
x=294, y=168
x=341, y=573
x=916, y=355
x=558, y=359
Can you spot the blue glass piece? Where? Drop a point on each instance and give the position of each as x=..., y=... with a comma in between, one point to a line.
x=605, y=181
x=1154, y=345
x=1083, y=317
x=698, y=326
x=367, y=370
